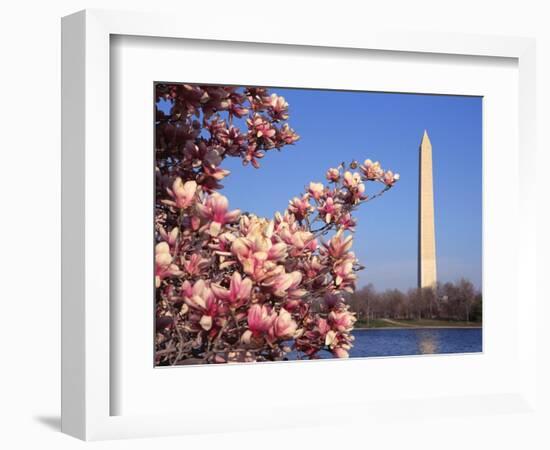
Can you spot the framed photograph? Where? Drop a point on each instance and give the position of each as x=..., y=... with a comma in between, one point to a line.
x=248, y=217
x=264, y=285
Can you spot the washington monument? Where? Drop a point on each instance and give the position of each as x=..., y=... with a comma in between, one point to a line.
x=427, y=270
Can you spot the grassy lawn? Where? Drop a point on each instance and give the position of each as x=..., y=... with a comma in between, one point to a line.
x=396, y=323
x=374, y=323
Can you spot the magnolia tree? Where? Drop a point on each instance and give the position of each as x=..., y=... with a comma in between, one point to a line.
x=232, y=286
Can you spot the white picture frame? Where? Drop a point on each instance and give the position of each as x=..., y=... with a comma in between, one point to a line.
x=87, y=327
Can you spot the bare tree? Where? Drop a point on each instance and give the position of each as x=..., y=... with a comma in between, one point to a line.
x=449, y=301
x=466, y=293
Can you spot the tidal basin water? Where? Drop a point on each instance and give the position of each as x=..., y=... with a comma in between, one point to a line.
x=417, y=341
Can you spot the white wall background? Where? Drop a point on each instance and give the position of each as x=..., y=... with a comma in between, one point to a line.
x=30, y=193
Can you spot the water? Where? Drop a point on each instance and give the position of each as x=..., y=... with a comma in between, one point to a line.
x=383, y=342
x=419, y=341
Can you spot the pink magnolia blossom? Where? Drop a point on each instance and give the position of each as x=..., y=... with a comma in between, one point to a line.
x=222, y=244
x=390, y=178
x=352, y=180
x=233, y=141
x=252, y=154
x=277, y=251
x=313, y=267
x=337, y=247
x=238, y=292
x=258, y=97
x=216, y=174
x=198, y=295
x=218, y=128
x=322, y=326
x=260, y=128
x=355, y=187
x=260, y=319
x=164, y=267
x=371, y=171
x=358, y=194
x=284, y=326
x=286, y=135
x=215, y=210
x=256, y=252
x=258, y=239
x=316, y=190
x=206, y=322
x=195, y=264
x=331, y=339
x=347, y=222
x=341, y=321
x=344, y=273
x=278, y=107
x=338, y=343
x=201, y=154
x=284, y=282
x=254, y=263
x=329, y=210
x=182, y=193
x=201, y=298
x=298, y=241
x=333, y=175
x=300, y=207
x=170, y=237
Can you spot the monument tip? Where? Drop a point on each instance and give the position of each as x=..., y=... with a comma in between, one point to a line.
x=425, y=137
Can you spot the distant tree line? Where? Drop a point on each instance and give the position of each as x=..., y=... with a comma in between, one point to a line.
x=448, y=301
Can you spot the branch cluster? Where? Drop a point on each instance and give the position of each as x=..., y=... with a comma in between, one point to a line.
x=233, y=286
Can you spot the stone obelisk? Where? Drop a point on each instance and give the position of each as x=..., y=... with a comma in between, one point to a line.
x=427, y=272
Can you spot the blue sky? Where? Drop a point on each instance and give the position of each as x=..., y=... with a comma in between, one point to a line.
x=337, y=126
